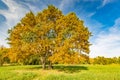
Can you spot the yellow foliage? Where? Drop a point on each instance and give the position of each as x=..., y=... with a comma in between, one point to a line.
x=60, y=38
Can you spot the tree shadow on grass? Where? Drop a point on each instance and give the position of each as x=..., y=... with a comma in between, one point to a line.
x=70, y=68
x=35, y=67
x=64, y=68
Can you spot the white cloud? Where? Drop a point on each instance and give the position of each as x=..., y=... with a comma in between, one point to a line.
x=107, y=43
x=33, y=5
x=13, y=15
x=116, y=27
x=3, y=42
x=66, y=4
x=15, y=12
x=105, y=2
x=91, y=14
x=93, y=25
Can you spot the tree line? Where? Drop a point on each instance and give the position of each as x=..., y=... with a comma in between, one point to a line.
x=34, y=59
x=105, y=61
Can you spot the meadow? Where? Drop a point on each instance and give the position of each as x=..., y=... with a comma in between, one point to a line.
x=61, y=72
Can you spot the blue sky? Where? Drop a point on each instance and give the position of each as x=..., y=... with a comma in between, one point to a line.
x=102, y=17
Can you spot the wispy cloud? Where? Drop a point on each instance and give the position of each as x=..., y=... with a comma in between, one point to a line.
x=105, y=2
x=107, y=43
x=91, y=14
x=13, y=15
x=116, y=27
x=66, y=4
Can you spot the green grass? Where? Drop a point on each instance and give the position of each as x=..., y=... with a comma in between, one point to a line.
x=61, y=72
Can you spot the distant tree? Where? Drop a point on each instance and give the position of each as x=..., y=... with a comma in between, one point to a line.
x=104, y=61
x=118, y=60
x=100, y=60
x=114, y=60
x=50, y=35
x=3, y=54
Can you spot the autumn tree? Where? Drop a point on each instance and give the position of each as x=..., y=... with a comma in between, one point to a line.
x=52, y=36
x=3, y=54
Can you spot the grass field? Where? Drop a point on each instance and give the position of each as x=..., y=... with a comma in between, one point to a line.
x=61, y=72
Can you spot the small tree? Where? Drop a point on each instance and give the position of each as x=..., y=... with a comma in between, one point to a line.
x=3, y=54
x=52, y=36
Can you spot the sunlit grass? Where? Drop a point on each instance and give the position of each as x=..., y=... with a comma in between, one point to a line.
x=61, y=72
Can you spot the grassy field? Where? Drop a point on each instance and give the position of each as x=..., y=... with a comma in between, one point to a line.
x=61, y=72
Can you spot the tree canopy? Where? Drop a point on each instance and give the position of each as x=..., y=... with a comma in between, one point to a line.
x=51, y=35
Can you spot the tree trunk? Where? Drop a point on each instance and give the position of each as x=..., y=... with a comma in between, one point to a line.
x=50, y=65
x=43, y=61
x=1, y=62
